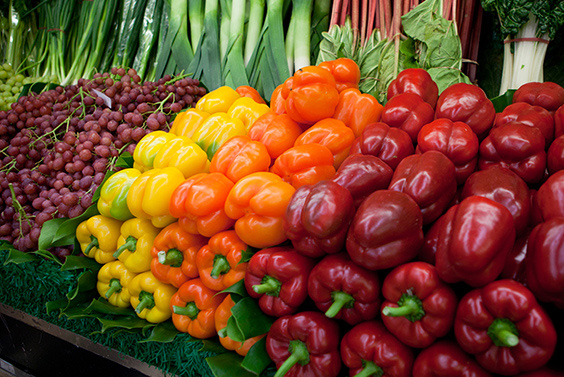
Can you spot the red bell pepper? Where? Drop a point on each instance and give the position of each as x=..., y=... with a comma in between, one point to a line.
x=318, y=218
x=474, y=240
x=431, y=242
x=277, y=278
x=456, y=140
x=362, y=174
x=515, y=264
x=505, y=187
x=506, y=329
x=390, y=144
x=549, y=199
x=419, y=306
x=409, y=112
x=415, y=80
x=305, y=344
x=368, y=349
x=543, y=372
x=544, y=263
x=469, y=104
x=429, y=179
x=446, y=359
x=532, y=116
x=559, y=122
x=555, y=155
x=386, y=231
x=544, y=94
x=344, y=290
x=515, y=146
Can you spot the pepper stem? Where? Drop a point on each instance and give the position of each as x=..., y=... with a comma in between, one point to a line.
x=130, y=244
x=171, y=257
x=409, y=306
x=298, y=354
x=146, y=301
x=269, y=286
x=340, y=300
x=115, y=286
x=370, y=369
x=220, y=266
x=503, y=333
x=190, y=310
x=93, y=243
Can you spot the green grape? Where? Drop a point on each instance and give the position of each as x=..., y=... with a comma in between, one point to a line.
x=11, y=81
x=16, y=90
x=7, y=67
x=19, y=77
x=3, y=74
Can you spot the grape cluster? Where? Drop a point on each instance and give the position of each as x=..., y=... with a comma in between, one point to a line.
x=11, y=85
x=57, y=146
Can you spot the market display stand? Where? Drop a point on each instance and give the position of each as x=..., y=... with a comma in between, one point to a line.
x=30, y=346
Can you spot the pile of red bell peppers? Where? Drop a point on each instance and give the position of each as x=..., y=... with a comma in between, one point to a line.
x=437, y=248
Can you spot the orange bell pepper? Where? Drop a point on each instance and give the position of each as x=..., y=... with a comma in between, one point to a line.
x=305, y=165
x=258, y=202
x=345, y=71
x=357, y=110
x=198, y=203
x=277, y=100
x=219, y=262
x=249, y=91
x=222, y=315
x=239, y=157
x=311, y=96
x=332, y=133
x=277, y=132
x=193, y=309
x=174, y=255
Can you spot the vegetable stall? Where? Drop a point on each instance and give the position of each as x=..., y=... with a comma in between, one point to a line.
x=285, y=188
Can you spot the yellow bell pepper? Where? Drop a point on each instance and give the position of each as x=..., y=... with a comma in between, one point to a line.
x=113, y=282
x=98, y=237
x=113, y=194
x=182, y=153
x=247, y=110
x=150, y=193
x=135, y=243
x=187, y=122
x=216, y=130
x=218, y=101
x=151, y=298
x=147, y=148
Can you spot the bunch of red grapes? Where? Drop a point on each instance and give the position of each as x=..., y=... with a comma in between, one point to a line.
x=57, y=146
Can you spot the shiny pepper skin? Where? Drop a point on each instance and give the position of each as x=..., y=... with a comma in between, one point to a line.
x=417, y=81
x=409, y=112
x=446, y=359
x=548, y=95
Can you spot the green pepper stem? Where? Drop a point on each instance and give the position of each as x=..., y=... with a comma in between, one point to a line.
x=172, y=257
x=190, y=310
x=130, y=244
x=298, y=354
x=370, y=369
x=268, y=285
x=115, y=286
x=503, y=333
x=220, y=266
x=146, y=301
x=409, y=306
x=340, y=300
x=93, y=243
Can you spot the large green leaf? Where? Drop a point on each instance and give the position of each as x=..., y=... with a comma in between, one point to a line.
x=257, y=358
x=164, y=332
x=228, y=364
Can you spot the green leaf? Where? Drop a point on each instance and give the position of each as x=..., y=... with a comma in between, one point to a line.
x=36, y=87
x=257, y=358
x=211, y=346
x=73, y=262
x=66, y=233
x=241, y=312
x=125, y=160
x=247, y=254
x=234, y=331
x=129, y=323
x=501, y=102
x=164, y=332
x=237, y=289
x=17, y=257
x=228, y=364
x=48, y=232
x=102, y=306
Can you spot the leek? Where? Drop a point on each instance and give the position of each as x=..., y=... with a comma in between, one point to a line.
x=225, y=27
x=256, y=18
x=234, y=71
x=302, y=14
x=196, y=14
